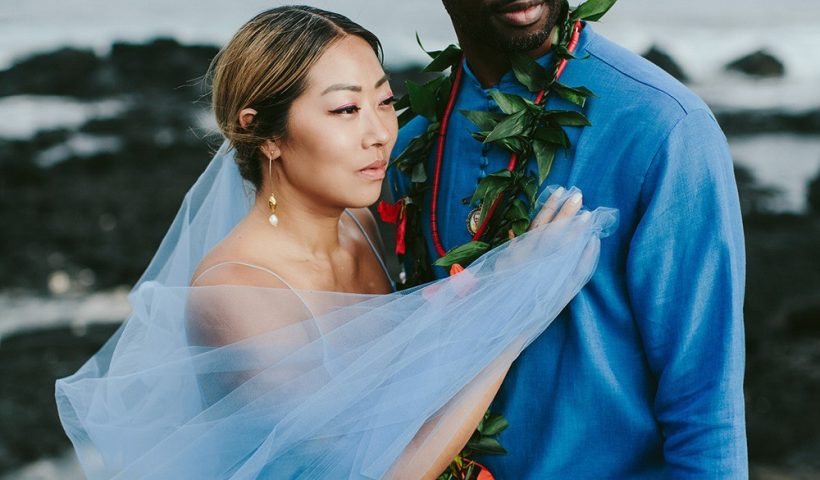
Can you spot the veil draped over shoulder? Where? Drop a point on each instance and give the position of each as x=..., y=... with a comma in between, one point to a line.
x=311, y=384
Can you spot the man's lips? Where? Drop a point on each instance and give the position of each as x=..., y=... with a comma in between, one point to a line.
x=521, y=13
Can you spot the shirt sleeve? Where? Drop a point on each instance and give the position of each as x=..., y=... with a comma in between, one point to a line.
x=686, y=275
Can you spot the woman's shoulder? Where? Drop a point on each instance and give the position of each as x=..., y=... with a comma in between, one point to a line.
x=229, y=263
x=369, y=225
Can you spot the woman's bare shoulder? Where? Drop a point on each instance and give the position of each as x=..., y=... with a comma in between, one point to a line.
x=228, y=263
x=370, y=225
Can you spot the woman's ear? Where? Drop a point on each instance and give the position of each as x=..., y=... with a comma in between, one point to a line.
x=246, y=117
x=271, y=150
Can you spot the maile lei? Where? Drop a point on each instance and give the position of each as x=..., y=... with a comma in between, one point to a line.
x=504, y=200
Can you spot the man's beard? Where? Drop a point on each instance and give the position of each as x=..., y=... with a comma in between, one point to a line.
x=525, y=43
x=483, y=32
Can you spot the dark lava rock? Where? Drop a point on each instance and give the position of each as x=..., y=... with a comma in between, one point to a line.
x=758, y=64
x=748, y=122
x=814, y=195
x=804, y=321
x=29, y=365
x=162, y=65
x=666, y=62
x=755, y=199
x=66, y=71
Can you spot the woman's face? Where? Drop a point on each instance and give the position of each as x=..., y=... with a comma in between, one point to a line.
x=340, y=130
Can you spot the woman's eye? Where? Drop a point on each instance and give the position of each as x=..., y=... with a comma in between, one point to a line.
x=348, y=110
x=389, y=100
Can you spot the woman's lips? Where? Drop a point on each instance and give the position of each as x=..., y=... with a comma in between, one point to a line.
x=522, y=14
x=374, y=171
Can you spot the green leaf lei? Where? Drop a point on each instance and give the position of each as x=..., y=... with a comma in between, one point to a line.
x=523, y=127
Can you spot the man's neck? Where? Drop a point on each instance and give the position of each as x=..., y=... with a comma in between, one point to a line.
x=489, y=64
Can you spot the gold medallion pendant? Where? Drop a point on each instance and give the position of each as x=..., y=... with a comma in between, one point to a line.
x=472, y=220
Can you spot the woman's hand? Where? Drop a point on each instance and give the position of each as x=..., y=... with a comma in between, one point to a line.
x=557, y=208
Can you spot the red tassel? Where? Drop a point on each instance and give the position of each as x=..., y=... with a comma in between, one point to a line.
x=394, y=213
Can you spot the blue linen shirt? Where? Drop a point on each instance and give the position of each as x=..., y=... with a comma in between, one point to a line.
x=641, y=376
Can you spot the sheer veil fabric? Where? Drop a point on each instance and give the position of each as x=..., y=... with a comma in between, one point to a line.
x=234, y=382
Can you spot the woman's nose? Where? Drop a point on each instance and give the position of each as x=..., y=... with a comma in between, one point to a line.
x=378, y=130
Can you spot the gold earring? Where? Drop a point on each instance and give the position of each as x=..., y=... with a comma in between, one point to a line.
x=273, y=219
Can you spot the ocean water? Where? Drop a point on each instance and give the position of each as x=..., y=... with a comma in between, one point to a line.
x=701, y=34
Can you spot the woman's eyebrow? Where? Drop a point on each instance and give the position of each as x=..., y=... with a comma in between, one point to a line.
x=354, y=88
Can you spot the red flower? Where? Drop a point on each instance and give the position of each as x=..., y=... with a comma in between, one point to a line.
x=394, y=213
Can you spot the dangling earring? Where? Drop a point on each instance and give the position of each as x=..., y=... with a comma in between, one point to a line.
x=273, y=219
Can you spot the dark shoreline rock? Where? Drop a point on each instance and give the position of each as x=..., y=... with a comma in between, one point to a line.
x=751, y=122
x=29, y=364
x=758, y=64
x=162, y=65
x=666, y=62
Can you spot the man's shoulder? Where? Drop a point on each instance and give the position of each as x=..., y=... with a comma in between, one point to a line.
x=631, y=80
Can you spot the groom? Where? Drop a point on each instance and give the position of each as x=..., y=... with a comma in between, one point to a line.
x=642, y=375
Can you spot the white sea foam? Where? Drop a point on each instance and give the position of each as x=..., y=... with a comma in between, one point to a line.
x=19, y=312
x=701, y=34
x=62, y=467
x=25, y=115
x=785, y=161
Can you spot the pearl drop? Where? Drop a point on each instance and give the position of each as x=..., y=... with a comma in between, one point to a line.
x=274, y=220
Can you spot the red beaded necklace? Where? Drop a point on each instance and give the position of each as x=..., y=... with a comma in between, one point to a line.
x=442, y=134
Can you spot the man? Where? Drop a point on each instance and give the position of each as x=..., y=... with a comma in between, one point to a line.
x=642, y=375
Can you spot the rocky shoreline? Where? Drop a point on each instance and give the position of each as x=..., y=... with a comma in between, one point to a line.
x=92, y=220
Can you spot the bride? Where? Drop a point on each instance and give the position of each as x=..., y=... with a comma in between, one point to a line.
x=265, y=340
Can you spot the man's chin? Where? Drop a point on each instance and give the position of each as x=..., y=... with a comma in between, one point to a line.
x=524, y=42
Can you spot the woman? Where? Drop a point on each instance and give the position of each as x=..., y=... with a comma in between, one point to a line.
x=265, y=342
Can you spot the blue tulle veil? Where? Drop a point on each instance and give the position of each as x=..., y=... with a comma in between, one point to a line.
x=242, y=382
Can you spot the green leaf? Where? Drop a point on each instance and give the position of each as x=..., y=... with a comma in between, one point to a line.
x=419, y=174
x=486, y=446
x=519, y=227
x=508, y=104
x=591, y=10
x=491, y=183
x=513, y=125
x=463, y=254
x=447, y=58
x=544, y=156
x=529, y=73
x=530, y=188
x=493, y=425
x=517, y=211
x=515, y=144
x=576, y=95
x=568, y=118
x=480, y=136
x=483, y=120
x=551, y=134
x=423, y=100
x=403, y=102
x=416, y=146
x=471, y=473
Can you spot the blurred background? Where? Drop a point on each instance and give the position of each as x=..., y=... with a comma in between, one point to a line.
x=104, y=124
